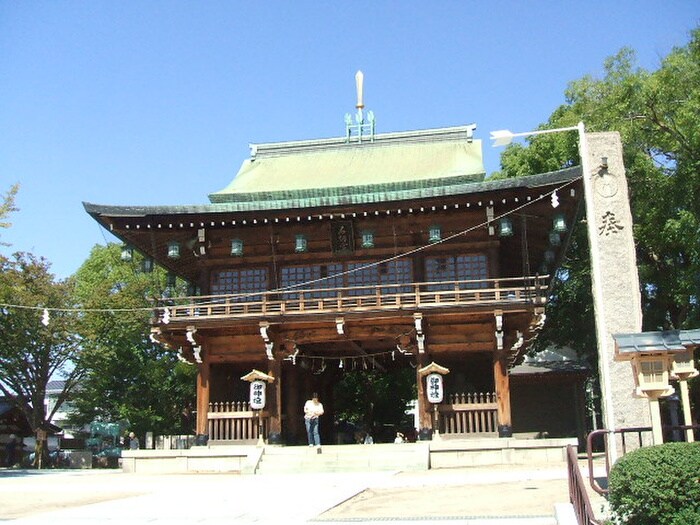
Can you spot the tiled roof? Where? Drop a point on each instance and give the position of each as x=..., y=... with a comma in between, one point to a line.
x=646, y=342
x=344, y=196
x=367, y=171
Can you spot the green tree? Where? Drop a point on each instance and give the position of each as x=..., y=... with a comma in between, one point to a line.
x=128, y=377
x=7, y=206
x=376, y=399
x=658, y=116
x=33, y=352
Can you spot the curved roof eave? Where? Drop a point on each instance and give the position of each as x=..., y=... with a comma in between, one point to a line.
x=343, y=196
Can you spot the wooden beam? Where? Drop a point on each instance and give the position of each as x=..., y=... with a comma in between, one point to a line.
x=372, y=360
x=502, y=383
x=276, y=400
x=203, y=387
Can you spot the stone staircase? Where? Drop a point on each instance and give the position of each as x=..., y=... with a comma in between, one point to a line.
x=344, y=458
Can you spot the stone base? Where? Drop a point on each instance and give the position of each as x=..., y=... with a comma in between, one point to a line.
x=505, y=431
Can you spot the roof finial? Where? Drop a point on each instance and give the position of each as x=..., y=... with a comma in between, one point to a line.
x=361, y=127
x=359, y=78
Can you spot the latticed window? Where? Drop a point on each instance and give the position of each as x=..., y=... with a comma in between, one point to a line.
x=245, y=283
x=367, y=275
x=316, y=277
x=460, y=268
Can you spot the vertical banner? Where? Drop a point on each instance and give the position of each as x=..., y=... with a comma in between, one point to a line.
x=257, y=394
x=434, y=388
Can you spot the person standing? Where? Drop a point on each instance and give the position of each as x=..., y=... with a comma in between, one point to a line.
x=313, y=409
x=133, y=442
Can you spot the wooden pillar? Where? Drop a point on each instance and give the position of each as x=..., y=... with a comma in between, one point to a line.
x=292, y=406
x=501, y=381
x=274, y=436
x=203, y=385
x=425, y=409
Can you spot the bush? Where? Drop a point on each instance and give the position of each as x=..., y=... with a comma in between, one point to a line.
x=657, y=485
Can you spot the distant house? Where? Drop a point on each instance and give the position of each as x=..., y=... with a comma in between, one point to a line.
x=62, y=415
x=12, y=420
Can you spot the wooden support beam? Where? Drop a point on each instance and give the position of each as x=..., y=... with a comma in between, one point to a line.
x=372, y=360
x=502, y=383
x=275, y=408
x=203, y=386
x=425, y=410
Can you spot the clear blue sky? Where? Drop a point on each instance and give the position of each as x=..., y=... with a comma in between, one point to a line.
x=155, y=102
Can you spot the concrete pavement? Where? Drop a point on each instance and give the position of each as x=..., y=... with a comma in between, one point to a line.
x=470, y=496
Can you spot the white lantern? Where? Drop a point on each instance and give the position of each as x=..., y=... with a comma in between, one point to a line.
x=652, y=375
x=683, y=366
x=434, y=388
x=257, y=394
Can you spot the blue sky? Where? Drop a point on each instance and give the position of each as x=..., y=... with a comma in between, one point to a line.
x=155, y=102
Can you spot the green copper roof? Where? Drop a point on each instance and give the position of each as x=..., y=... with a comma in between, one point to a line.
x=335, y=171
x=349, y=195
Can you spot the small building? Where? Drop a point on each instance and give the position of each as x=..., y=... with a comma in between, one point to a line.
x=548, y=395
x=369, y=251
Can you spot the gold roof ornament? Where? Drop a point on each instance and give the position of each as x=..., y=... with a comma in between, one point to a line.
x=433, y=368
x=255, y=375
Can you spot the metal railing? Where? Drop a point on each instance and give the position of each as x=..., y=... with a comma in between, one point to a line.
x=577, y=490
x=520, y=290
x=643, y=438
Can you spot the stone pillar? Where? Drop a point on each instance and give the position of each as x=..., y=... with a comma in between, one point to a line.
x=615, y=281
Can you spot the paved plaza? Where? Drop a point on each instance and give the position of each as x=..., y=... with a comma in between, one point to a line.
x=476, y=496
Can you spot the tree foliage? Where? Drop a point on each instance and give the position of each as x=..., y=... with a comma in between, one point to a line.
x=658, y=116
x=128, y=377
x=657, y=485
x=375, y=399
x=7, y=206
x=31, y=352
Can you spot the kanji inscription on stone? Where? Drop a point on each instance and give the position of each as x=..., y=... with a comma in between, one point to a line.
x=609, y=224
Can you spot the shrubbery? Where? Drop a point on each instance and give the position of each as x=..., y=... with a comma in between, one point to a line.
x=657, y=485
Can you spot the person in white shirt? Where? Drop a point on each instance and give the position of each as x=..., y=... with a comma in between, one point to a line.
x=313, y=409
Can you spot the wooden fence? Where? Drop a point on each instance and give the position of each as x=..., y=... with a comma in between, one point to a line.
x=234, y=420
x=469, y=413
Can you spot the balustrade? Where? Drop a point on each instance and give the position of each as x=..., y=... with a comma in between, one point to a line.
x=383, y=296
x=234, y=420
x=469, y=413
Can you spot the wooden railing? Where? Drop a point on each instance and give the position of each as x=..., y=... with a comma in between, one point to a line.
x=234, y=420
x=523, y=290
x=469, y=413
x=577, y=490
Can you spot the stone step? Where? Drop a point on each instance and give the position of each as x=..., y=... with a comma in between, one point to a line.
x=344, y=458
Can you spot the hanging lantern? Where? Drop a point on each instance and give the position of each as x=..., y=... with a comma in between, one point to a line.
x=301, y=243
x=147, y=264
x=237, y=247
x=559, y=223
x=505, y=227
x=257, y=394
x=127, y=253
x=368, y=239
x=170, y=280
x=554, y=239
x=434, y=233
x=434, y=388
x=173, y=250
